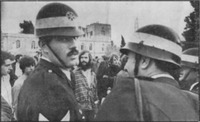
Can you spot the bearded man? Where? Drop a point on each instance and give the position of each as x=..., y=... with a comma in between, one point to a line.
x=85, y=86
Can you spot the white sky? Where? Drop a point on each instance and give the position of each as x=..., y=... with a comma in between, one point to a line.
x=120, y=14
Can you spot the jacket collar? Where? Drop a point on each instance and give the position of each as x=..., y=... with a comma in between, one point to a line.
x=161, y=79
x=167, y=80
x=52, y=67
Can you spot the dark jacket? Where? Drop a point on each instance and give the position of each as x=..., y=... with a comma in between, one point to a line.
x=103, y=83
x=47, y=91
x=162, y=100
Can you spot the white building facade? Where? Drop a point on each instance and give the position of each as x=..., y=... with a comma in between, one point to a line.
x=96, y=39
x=17, y=43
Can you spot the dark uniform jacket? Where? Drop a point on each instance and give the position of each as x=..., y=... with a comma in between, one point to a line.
x=47, y=91
x=162, y=100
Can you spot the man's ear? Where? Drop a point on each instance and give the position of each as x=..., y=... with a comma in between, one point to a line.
x=145, y=62
x=43, y=47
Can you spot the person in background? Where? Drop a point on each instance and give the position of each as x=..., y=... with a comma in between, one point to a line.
x=36, y=59
x=106, y=75
x=151, y=92
x=16, y=67
x=47, y=94
x=123, y=60
x=6, y=93
x=189, y=79
x=13, y=76
x=27, y=65
x=86, y=86
x=123, y=72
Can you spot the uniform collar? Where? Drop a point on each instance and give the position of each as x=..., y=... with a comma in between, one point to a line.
x=66, y=72
x=162, y=75
x=46, y=59
x=53, y=68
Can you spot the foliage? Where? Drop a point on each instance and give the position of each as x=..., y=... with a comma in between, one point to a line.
x=192, y=30
x=122, y=42
x=27, y=27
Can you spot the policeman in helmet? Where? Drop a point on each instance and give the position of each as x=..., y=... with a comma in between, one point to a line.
x=189, y=70
x=151, y=92
x=47, y=94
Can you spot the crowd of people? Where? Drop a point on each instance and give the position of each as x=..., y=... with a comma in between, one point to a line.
x=147, y=81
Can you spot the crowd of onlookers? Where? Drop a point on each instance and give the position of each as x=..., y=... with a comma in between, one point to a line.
x=92, y=79
x=105, y=70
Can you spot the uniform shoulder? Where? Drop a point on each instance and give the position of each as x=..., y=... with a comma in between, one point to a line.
x=38, y=77
x=124, y=82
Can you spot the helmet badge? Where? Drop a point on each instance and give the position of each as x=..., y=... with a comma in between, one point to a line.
x=70, y=15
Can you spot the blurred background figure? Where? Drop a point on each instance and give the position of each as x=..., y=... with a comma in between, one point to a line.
x=16, y=71
x=6, y=94
x=106, y=74
x=16, y=67
x=189, y=79
x=123, y=72
x=86, y=86
x=27, y=65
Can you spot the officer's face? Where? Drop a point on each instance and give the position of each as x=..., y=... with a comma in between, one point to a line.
x=6, y=67
x=65, y=48
x=130, y=64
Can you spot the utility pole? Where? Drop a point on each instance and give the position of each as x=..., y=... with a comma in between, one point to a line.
x=136, y=26
x=108, y=12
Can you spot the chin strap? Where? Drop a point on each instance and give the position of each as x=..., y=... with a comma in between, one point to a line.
x=139, y=99
x=59, y=59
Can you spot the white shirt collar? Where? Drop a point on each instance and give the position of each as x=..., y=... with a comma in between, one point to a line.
x=44, y=58
x=67, y=73
x=162, y=75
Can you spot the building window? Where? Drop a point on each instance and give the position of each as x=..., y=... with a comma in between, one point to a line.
x=90, y=48
x=102, y=47
x=91, y=33
x=103, y=31
x=33, y=45
x=82, y=47
x=17, y=44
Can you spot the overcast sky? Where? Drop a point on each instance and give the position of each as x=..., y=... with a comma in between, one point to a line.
x=120, y=14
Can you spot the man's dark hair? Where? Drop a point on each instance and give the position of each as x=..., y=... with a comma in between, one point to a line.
x=6, y=55
x=112, y=57
x=17, y=57
x=26, y=61
x=170, y=68
x=90, y=59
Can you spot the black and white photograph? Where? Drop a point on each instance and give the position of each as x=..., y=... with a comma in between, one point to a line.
x=100, y=60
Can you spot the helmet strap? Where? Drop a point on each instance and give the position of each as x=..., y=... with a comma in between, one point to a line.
x=137, y=61
x=59, y=59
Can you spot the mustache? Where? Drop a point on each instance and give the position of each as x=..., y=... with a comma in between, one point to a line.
x=73, y=51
